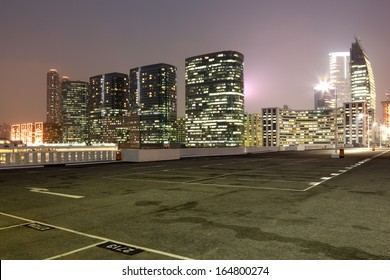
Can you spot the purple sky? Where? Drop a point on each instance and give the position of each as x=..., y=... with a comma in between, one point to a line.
x=285, y=44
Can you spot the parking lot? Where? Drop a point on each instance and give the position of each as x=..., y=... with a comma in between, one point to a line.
x=282, y=205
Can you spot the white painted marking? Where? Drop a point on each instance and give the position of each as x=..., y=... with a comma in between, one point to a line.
x=326, y=178
x=335, y=174
x=206, y=184
x=46, y=191
x=343, y=171
x=98, y=237
x=76, y=251
x=14, y=226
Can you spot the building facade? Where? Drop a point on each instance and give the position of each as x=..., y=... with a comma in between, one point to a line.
x=5, y=131
x=339, y=75
x=285, y=127
x=180, y=130
x=36, y=133
x=215, y=99
x=362, y=78
x=356, y=124
x=74, y=111
x=386, y=118
x=386, y=110
x=153, y=97
x=108, y=108
x=53, y=97
x=253, y=127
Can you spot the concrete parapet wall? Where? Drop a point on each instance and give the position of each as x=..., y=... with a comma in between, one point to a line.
x=254, y=150
x=133, y=155
x=207, y=152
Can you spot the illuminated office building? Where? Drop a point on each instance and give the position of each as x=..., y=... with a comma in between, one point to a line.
x=355, y=123
x=180, y=131
x=339, y=75
x=108, y=108
x=362, y=78
x=153, y=97
x=285, y=127
x=74, y=111
x=54, y=98
x=253, y=136
x=215, y=99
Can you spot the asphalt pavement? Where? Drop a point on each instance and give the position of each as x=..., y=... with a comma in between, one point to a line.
x=282, y=205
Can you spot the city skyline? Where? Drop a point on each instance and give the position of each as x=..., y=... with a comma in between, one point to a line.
x=281, y=65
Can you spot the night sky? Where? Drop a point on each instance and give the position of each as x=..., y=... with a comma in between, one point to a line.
x=285, y=44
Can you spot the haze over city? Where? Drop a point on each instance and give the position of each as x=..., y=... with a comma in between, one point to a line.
x=285, y=44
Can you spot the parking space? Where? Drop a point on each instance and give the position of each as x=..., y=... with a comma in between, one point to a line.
x=33, y=240
x=292, y=205
x=267, y=174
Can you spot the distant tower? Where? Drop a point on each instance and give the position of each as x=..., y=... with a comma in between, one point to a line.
x=153, y=97
x=74, y=111
x=215, y=99
x=54, y=99
x=339, y=75
x=362, y=78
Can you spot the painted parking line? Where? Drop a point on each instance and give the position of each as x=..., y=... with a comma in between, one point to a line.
x=76, y=251
x=98, y=237
x=13, y=226
x=348, y=168
x=207, y=184
x=46, y=191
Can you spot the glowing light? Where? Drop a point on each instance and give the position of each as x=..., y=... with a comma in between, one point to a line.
x=324, y=86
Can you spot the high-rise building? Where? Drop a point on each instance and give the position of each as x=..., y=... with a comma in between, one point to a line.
x=108, y=108
x=74, y=111
x=215, y=99
x=54, y=97
x=153, y=97
x=339, y=75
x=362, y=78
x=253, y=125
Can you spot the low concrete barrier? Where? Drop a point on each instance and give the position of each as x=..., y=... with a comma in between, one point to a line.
x=133, y=155
x=207, y=152
x=9, y=159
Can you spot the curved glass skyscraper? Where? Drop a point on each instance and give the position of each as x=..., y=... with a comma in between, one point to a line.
x=362, y=77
